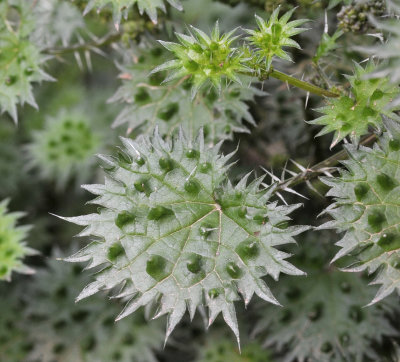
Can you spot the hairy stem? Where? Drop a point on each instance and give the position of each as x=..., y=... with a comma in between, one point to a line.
x=264, y=74
x=322, y=166
x=302, y=84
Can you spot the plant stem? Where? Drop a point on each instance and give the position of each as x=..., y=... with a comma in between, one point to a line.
x=322, y=166
x=264, y=74
x=302, y=84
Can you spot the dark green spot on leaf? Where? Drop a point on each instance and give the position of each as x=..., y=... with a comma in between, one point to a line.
x=194, y=263
x=394, y=144
x=166, y=164
x=158, y=213
x=248, y=249
x=192, y=154
x=192, y=187
x=233, y=270
x=389, y=242
x=385, y=182
x=115, y=251
x=360, y=190
x=205, y=167
x=156, y=267
x=168, y=111
x=375, y=220
x=124, y=218
x=356, y=314
x=214, y=293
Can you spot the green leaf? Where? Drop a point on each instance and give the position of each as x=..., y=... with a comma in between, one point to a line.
x=57, y=23
x=352, y=115
x=218, y=347
x=324, y=319
x=121, y=7
x=185, y=245
x=21, y=61
x=324, y=316
x=61, y=330
x=327, y=45
x=12, y=244
x=385, y=51
x=13, y=342
x=367, y=208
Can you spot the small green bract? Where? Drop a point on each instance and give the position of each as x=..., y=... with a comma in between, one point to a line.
x=12, y=244
x=352, y=116
x=173, y=230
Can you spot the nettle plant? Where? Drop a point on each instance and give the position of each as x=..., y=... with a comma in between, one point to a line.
x=173, y=229
x=179, y=227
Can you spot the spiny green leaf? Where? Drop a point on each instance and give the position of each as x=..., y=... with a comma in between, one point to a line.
x=327, y=45
x=53, y=321
x=14, y=345
x=218, y=348
x=121, y=7
x=186, y=246
x=57, y=23
x=367, y=208
x=385, y=51
x=324, y=318
x=20, y=61
x=352, y=115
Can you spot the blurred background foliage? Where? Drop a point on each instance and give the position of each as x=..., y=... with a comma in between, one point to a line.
x=99, y=75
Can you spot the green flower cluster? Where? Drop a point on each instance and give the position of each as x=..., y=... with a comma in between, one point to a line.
x=274, y=34
x=213, y=60
x=205, y=59
x=352, y=115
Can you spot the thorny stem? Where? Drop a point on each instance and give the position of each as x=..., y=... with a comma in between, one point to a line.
x=302, y=84
x=265, y=74
x=322, y=166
